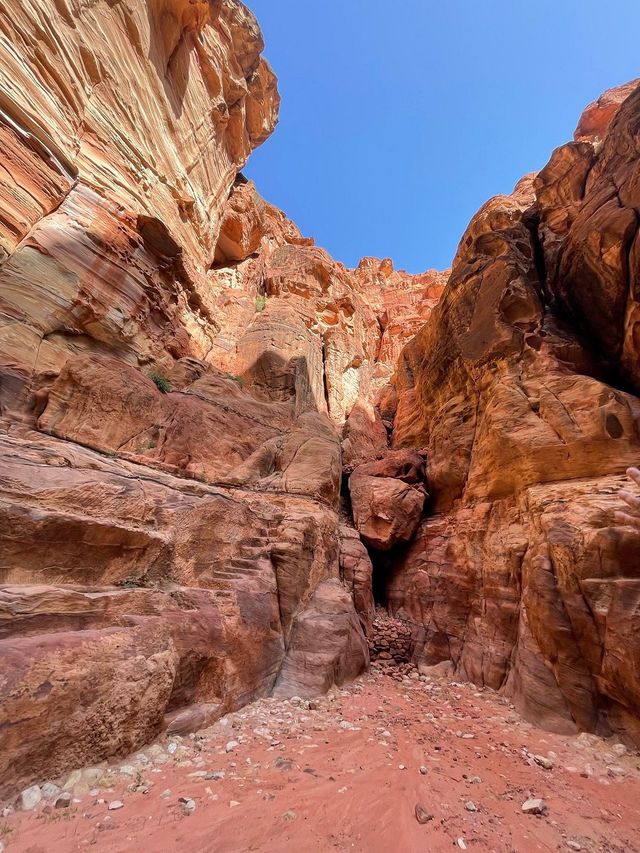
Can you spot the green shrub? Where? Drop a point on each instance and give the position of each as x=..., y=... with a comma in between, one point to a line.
x=236, y=378
x=161, y=382
x=261, y=301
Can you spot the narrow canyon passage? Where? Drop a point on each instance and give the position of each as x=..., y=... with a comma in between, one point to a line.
x=394, y=762
x=294, y=555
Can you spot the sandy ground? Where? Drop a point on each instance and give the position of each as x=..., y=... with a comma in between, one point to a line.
x=347, y=774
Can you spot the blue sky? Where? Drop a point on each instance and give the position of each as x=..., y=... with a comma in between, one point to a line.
x=399, y=119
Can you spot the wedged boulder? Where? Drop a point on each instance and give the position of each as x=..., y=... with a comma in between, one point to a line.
x=387, y=498
x=364, y=436
x=327, y=645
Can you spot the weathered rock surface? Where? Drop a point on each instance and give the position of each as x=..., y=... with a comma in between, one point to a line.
x=185, y=381
x=387, y=498
x=179, y=368
x=519, y=388
x=357, y=573
x=326, y=646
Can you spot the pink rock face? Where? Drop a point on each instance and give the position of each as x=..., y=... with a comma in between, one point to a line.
x=356, y=571
x=177, y=365
x=186, y=381
x=522, y=578
x=387, y=498
x=597, y=117
x=326, y=645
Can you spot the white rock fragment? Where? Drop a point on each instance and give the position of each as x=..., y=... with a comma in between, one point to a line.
x=187, y=805
x=63, y=801
x=534, y=805
x=30, y=798
x=50, y=791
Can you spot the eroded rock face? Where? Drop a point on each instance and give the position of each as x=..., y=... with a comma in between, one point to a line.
x=327, y=646
x=185, y=380
x=522, y=578
x=357, y=573
x=179, y=369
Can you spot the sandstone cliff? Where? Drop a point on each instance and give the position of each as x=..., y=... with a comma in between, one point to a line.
x=204, y=418
x=522, y=386
x=179, y=371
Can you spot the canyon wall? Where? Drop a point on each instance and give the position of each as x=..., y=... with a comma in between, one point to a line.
x=204, y=418
x=181, y=376
x=522, y=387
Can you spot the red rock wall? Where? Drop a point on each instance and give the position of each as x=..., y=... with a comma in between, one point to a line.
x=185, y=380
x=522, y=389
x=179, y=368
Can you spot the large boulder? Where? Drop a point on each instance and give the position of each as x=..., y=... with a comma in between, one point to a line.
x=387, y=498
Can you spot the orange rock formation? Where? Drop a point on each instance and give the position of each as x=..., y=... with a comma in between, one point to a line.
x=188, y=386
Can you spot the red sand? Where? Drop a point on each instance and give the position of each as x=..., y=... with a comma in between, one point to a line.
x=308, y=784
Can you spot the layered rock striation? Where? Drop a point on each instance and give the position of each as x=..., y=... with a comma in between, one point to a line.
x=180, y=370
x=218, y=444
x=522, y=387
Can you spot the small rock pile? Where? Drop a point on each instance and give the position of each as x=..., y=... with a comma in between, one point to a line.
x=390, y=642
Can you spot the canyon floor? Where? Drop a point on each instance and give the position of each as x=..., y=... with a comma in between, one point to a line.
x=347, y=772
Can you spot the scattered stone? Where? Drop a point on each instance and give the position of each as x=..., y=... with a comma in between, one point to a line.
x=574, y=845
x=534, y=806
x=233, y=804
x=544, y=762
x=289, y=815
x=616, y=771
x=231, y=745
x=471, y=806
x=92, y=776
x=114, y=805
x=461, y=844
x=30, y=798
x=72, y=780
x=50, y=791
x=422, y=815
x=63, y=801
x=166, y=794
x=187, y=805
x=215, y=774
x=423, y=770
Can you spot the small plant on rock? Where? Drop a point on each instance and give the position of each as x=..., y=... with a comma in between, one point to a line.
x=161, y=382
x=261, y=301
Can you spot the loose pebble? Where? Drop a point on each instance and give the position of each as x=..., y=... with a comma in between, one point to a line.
x=534, y=806
x=422, y=815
